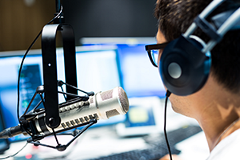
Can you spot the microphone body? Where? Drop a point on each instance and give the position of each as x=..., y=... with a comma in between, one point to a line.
x=73, y=113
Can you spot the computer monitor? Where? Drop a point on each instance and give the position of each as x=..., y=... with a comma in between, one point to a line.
x=139, y=77
x=145, y=116
x=30, y=80
x=97, y=70
x=140, y=80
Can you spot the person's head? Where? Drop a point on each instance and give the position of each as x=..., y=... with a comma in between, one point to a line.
x=174, y=18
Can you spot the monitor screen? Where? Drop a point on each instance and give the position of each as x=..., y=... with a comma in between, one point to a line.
x=138, y=76
x=144, y=117
x=30, y=80
x=97, y=70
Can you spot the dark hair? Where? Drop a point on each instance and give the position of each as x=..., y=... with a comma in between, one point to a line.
x=174, y=18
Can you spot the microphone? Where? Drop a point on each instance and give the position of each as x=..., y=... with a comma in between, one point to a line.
x=75, y=112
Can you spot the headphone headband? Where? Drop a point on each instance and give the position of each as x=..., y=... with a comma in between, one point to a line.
x=231, y=21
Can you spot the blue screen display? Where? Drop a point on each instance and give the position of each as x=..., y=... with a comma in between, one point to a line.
x=139, y=77
x=97, y=70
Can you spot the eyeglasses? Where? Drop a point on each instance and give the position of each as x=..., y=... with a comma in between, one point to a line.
x=153, y=52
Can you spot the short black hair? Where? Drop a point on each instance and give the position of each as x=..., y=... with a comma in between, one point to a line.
x=174, y=18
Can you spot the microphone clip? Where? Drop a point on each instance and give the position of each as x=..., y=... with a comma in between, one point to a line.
x=76, y=133
x=26, y=120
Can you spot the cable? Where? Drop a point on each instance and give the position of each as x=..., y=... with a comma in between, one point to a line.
x=21, y=65
x=15, y=153
x=19, y=75
x=165, y=124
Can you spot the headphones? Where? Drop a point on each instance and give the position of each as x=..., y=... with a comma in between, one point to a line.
x=185, y=62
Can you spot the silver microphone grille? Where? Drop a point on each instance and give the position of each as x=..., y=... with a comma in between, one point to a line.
x=122, y=97
x=107, y=95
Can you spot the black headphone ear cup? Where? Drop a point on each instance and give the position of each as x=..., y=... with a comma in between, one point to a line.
x=183, y=67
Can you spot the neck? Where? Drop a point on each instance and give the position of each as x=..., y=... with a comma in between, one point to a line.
x=219, y=131
x=218, y=115
x=230, y=129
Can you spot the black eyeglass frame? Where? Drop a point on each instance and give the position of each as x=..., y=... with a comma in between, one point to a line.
x=148, y=48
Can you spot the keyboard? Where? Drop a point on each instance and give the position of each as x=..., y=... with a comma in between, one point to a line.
x=174, y=136
x=157, y=145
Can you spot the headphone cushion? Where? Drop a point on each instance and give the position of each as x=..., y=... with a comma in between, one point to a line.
x=183, y=67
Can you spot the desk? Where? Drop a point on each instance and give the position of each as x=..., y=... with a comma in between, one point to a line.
x=104, y=141
x=93, y=143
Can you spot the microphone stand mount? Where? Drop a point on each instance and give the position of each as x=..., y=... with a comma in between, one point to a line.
x=27, y=120
x=50, y=65
x=60, y=147
x=50, y=87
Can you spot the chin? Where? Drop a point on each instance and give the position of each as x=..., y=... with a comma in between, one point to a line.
x=175, y=109
x=181, y=110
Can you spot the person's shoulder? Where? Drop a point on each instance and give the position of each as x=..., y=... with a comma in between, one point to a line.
x=228, y=148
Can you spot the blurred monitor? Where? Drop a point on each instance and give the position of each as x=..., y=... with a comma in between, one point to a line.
x=138, y=76
x=144, y=117
x=141, y=81
x=97, y=70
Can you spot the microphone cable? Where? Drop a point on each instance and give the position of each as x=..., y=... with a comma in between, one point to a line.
x=165, y=124
x=15, y=153
x=21, y=65
x=19, y=73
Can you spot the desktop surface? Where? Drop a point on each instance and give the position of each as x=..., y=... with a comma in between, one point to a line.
x=104, y=144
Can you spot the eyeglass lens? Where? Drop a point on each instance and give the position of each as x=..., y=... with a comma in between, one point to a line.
x=154, y=55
